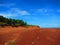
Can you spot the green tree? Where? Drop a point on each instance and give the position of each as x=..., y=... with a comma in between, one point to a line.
x=12, y=22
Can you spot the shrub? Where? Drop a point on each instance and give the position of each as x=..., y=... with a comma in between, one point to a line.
x=11, y=22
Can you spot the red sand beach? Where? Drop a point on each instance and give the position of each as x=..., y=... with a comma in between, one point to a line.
x=30, y=36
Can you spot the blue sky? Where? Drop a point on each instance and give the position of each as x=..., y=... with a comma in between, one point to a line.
x=45, y=13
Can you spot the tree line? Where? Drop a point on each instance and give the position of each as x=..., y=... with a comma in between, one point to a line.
x=11, y=22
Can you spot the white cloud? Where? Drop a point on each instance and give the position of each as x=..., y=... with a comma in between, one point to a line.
x=22, y=12
x=7, y=5
x=5, y=15
x=14, y=12
x=45, y=10
x=58, y=10
x=19, y=12
x=42, y=10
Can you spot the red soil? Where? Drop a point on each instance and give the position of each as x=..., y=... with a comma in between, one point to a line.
x=30, y=36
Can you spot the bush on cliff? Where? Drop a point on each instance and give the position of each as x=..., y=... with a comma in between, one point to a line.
x=11, y=22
